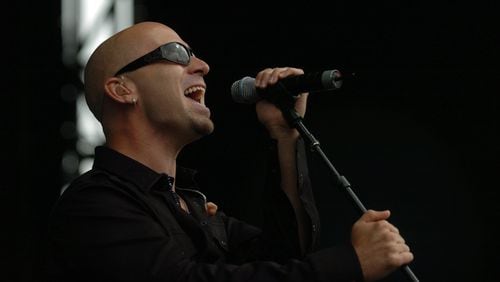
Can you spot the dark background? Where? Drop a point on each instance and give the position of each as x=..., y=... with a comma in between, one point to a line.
x=417, y=133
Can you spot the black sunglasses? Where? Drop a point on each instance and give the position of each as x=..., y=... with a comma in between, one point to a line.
x=174, y=52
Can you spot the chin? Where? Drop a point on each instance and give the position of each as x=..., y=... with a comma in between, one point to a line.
x=204, y=129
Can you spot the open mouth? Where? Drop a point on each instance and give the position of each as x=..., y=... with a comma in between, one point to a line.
x=195, y=93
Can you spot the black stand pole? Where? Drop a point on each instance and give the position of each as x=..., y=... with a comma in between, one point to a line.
x=286, y=105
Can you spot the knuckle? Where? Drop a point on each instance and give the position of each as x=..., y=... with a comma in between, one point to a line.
x=395, y=229
x=410, y=257
x=384, y=224
x=378, y=225
x=407, y=248
x=394, y=259
x=395, y=248
x=406, y=258
x=402, y=240
x=388, y=236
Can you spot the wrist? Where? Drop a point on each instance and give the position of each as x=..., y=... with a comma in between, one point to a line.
x=284, y=134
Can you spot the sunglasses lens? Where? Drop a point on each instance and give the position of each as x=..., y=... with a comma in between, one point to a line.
x=176, y=53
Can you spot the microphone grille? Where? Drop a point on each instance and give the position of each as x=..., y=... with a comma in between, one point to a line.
x=243, y=91
x=331, y=79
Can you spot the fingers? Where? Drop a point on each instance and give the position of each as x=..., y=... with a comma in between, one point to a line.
x=398, y=255
x=372, y=215
x=270, y=76
x=380, y=247
x=385, y=225
x=405, y=258
x=378, y=218
x=211, y=208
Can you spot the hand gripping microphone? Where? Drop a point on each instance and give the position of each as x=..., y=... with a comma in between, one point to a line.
x=244, y=90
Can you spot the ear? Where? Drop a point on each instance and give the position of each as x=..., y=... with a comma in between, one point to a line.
x=117, y=90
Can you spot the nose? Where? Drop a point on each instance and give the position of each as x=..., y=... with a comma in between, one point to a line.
x=199, y=66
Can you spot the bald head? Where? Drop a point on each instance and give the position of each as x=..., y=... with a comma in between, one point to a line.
x=117, y=51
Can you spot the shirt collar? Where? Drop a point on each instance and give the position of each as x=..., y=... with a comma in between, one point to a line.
x=136, y=172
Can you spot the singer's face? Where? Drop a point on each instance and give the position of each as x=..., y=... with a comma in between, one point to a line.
x=173, y=95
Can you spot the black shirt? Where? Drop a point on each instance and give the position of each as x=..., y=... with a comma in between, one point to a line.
x=121, y=222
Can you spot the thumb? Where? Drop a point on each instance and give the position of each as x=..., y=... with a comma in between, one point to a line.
x=211, y=208
x=371, y=215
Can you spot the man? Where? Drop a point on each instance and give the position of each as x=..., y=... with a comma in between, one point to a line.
x=128, y=219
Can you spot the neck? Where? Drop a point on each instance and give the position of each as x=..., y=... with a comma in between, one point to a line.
x=136, y=138
x=160, y=156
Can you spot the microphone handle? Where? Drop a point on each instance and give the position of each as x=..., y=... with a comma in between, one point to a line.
x=313, y=81
x=308, y=82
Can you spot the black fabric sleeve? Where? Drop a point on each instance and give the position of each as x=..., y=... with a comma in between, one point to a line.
x=339, y=263
x=270, y=208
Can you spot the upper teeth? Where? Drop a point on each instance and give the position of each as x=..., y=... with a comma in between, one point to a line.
x=194, y=89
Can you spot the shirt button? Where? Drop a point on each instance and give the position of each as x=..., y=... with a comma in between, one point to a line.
x=223, y=243
x=204, y=223
x=314, y=227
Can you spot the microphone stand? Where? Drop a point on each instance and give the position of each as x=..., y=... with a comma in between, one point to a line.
x=286, y=103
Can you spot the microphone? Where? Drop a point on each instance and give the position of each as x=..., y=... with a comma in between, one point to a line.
x=244, y=90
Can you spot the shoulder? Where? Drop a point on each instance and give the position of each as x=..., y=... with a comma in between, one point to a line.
x=96, y=189
x=93, y=181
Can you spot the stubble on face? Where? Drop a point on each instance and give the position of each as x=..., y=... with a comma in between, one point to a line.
x=201, y=125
